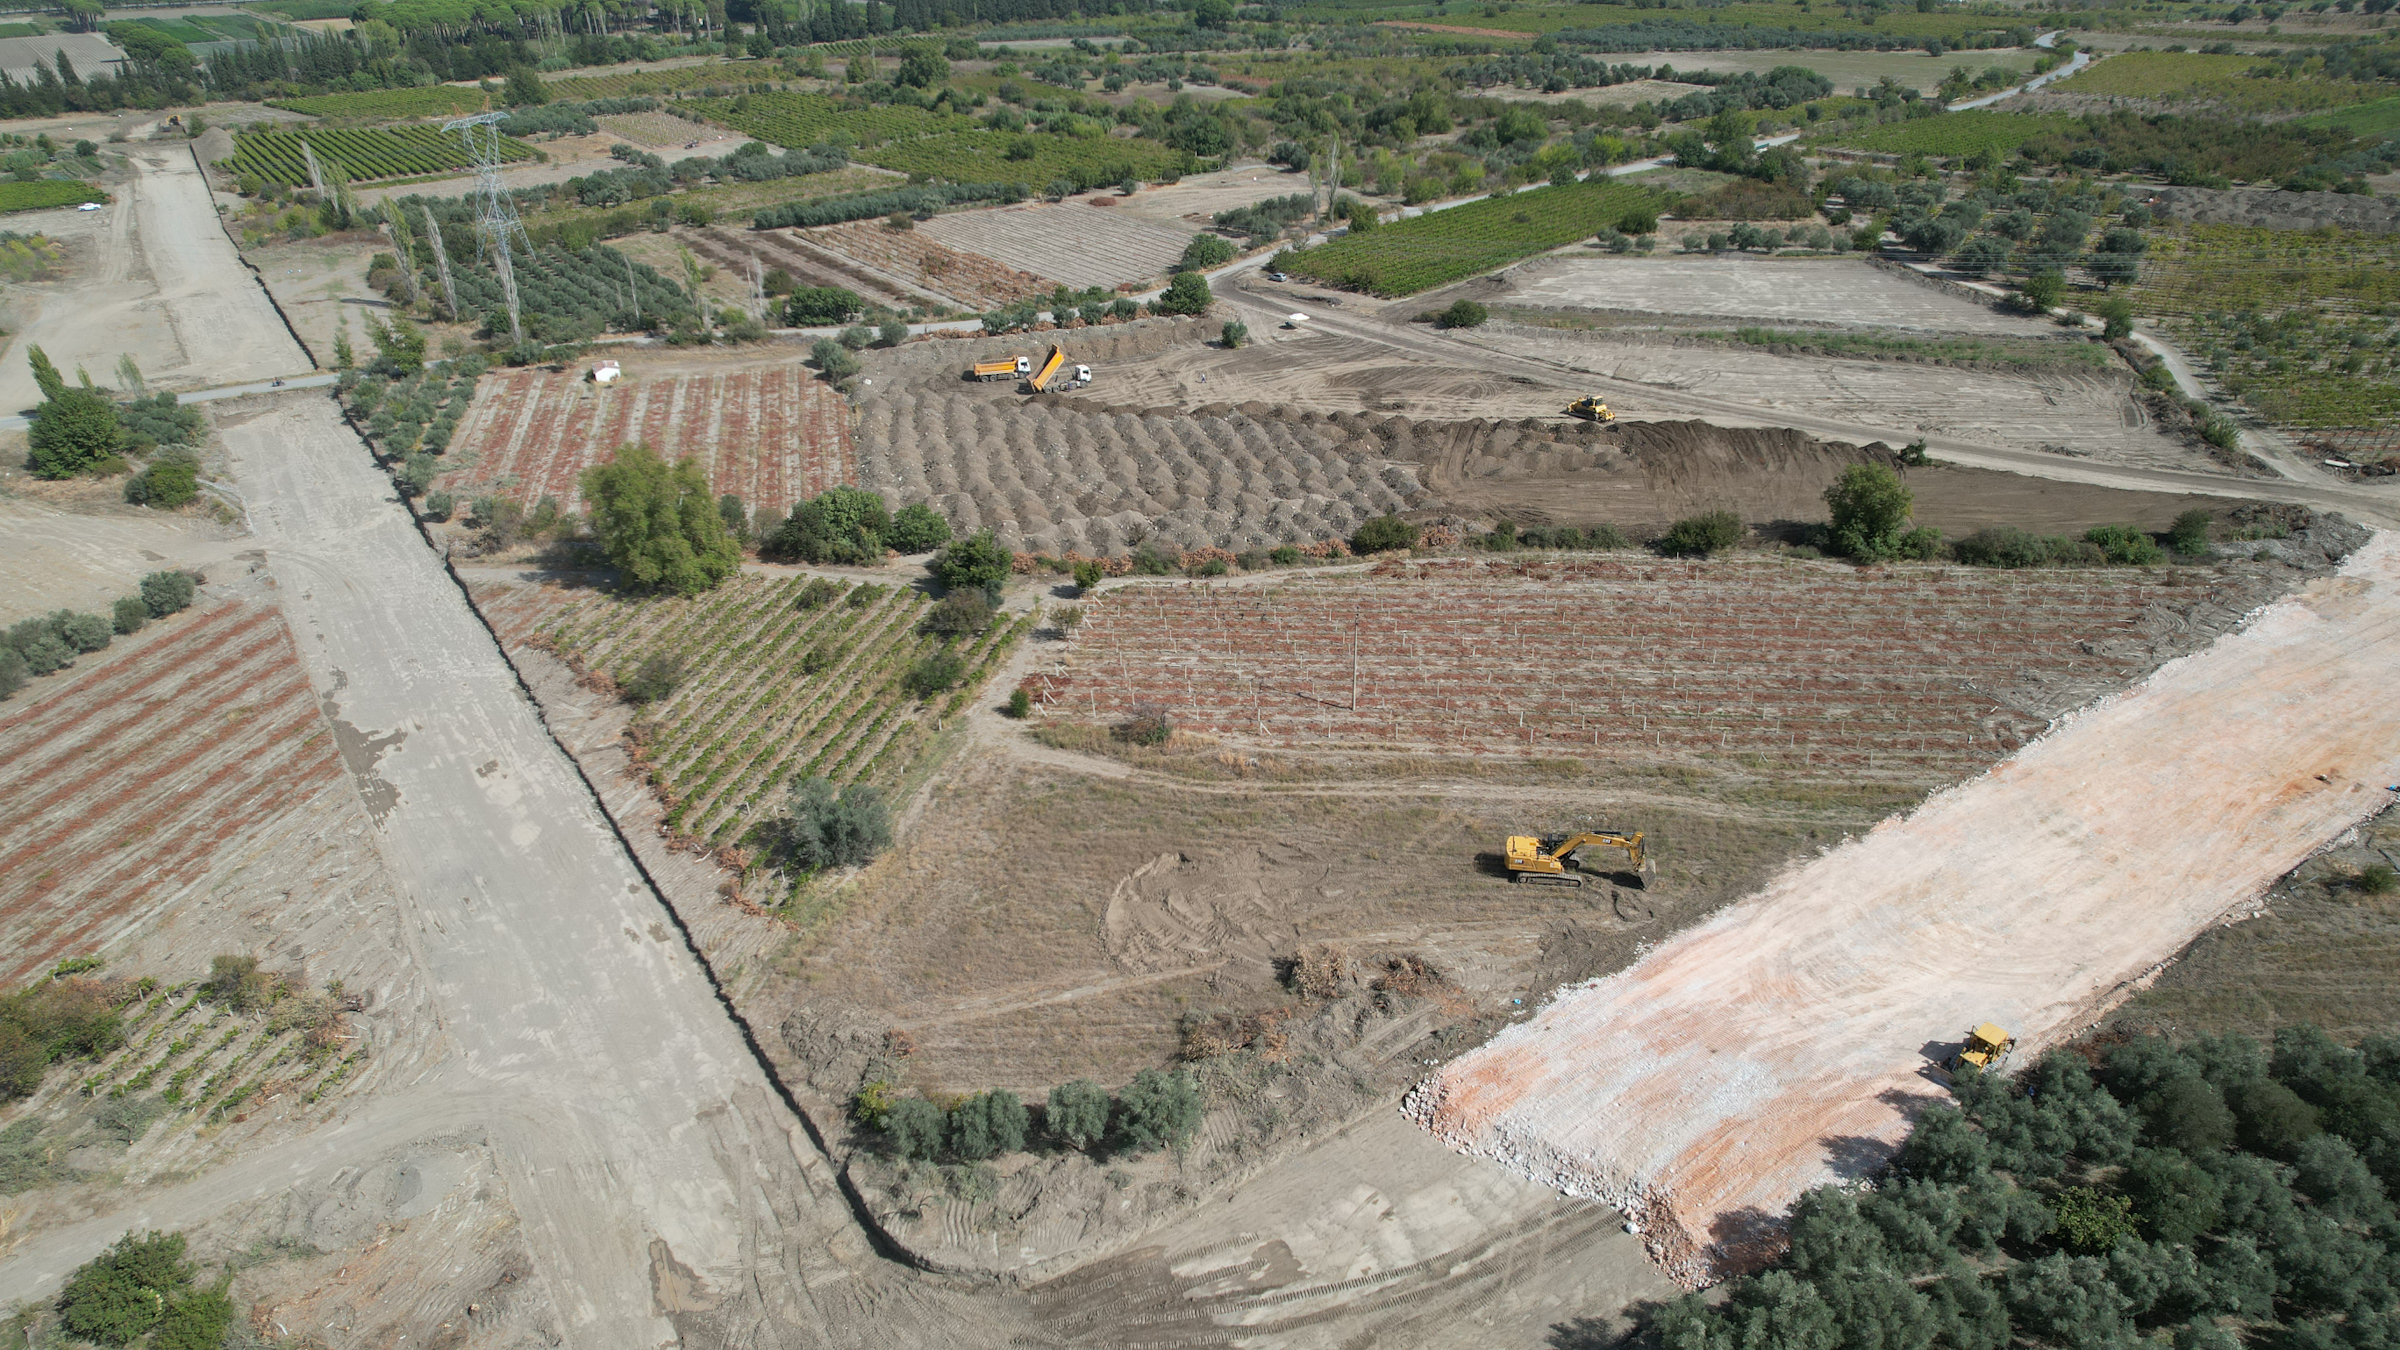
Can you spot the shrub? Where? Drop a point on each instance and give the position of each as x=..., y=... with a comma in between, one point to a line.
x=2376, y=879
x=1639, y=220
x=1087, y=575
x=2089, y=1221
x=54, y=1020
x=1383, y=533
x=1869, y=512
x=2189, y=534
x=86, y=632
x=169, y=592
x=975, y=561
x=935, y=673
x=1284, y=555
x=2116, y=313
x=437, y=506
x=959, y=614
x=820, y=829
x=1462, y=314
x=238, y=983
x=1701, y=535
x=166, y=484
x=917, y=528
x=1148, y=726
x=14, y=673
x=820, y=306
x=1020, y=704
x=122, y=1293
x=654, y=681
x=818, y=593
x=1077, y=1113
x=914, y=1127
x=1157, y=1110
x=1235, y=333
x=2125, y=545
x=987, y=1124
x=843, y=525
x=197, y=1321
x=2008, y=546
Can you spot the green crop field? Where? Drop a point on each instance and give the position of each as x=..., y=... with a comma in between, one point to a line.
x=49, y=192
x=2222, y=81
x=802, y=120
x=391, y=105
x=2300, y=326
x=9, y=30
x=1034, y=160
x=364, y=153
x=307, y=9
x=1445, y=246
x=771, y=691
x=636, y=82
x=1952, y=135
x=2379, y=118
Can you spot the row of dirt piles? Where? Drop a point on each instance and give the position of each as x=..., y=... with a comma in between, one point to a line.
x=1788, y=1042
x=2278, y=210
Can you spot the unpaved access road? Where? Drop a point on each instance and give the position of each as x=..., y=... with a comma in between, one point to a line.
x=153, y=277
x=1788, y=1042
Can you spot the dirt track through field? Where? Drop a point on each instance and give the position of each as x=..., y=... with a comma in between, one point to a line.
x=1785, y=1043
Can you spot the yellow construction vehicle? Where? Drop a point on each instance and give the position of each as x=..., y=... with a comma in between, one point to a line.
x=1985, y=1045
x=1001, y=369
x=1543, y=861
x=1591, y=408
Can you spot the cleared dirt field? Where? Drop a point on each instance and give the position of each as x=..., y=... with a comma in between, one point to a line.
x=84, y=559
x=1799, y=670
x=1787, y=1041
x=1848, y=70
x=1073, y=241
x=1752, y=290
x=972, y=280
x=129, y=777
x=659, y=131
x=1192, y=202
x=773, y=434
x=2066, y=409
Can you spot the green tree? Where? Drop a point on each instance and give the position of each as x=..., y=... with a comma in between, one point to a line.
x=130, y=614
x=959, y=614
x=2116, y=316
x=1157, y=1110
x=975, y=561
x=197, y=1321
x=655, y=680
x=1204, y=252
x=1383, y=533
x=2125, y=545
x=917, y=527
x=524, y=89
x=168, y=592
x=87, y=632
x=72, y=433
x=821, y=827
x=2091, y=1221
x=658, y=523
x=987, y=1124
x=2042, y=291
x=1869, y=512
x=1188, y=293
x=1019, y=705
x=2189, y=534
x=14, y=673
x=1077, y=1113
x=1639, y=220
x=891, y=333
x=45, y=374
x=1212, y=14
x=839, y=525
x=122, y=1293
x=1088, y=574
x=922, y=68
x=169, y=483
x=833, y=358
x=1235, y=333
x=1462, y=314
x=1701, y=535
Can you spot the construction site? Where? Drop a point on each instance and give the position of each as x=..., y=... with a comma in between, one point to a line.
x=1312, y=740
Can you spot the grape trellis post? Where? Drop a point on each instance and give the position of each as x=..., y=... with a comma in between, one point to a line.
x=496, y=219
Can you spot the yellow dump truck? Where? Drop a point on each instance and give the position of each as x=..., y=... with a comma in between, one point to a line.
x=1041, y=378
x=1056, y=376
x=1006, y=368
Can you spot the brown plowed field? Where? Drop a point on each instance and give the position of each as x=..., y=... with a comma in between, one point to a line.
x=1796, y=669
x=773, y=435
x=124, y=780
x=975, y=281
x=1787, y=1042
x=1074, y=241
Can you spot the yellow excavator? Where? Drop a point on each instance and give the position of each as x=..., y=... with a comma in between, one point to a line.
x=1590, y=408
x=1985, y=1045
x=1544, y=861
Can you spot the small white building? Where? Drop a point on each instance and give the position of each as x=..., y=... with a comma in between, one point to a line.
x=605, y=372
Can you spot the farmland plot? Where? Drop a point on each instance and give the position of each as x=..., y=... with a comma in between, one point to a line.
x=1074, y=242
x=772, y=435
x=976, y=282
x=127, y=780
x=1798, y=670
x=363, y=153
x=771, y=690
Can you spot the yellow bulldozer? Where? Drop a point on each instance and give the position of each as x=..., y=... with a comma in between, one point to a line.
x=1984, y=1048
x=1545, y=860
x=1590, y=408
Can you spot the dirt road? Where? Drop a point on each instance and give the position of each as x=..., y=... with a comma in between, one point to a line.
x=154, y=278
x=1787, y=1042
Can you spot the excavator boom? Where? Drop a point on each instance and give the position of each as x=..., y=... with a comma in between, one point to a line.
x=1545, y=860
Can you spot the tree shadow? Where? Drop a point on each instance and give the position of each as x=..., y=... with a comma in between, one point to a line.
x=1747, y=1239
x=1585, y=1333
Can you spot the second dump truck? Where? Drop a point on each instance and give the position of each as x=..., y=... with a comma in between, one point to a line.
x=1047, y=379
x=1006, y=368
